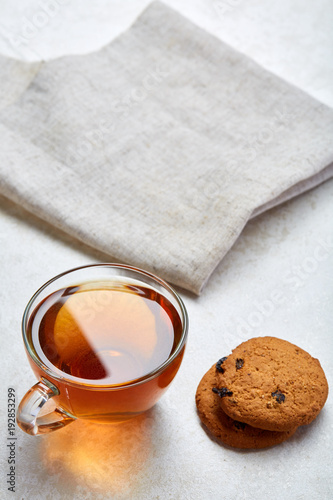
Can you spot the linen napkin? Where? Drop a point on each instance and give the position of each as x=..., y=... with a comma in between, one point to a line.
x=158, y=148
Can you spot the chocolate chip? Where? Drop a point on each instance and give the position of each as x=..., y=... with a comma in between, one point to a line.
x=239, y=425
x=219, y=364
x=279, y=396
x=222, y=392
x=239, y=363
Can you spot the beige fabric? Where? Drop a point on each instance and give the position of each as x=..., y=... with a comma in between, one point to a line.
x=160, y=147
x=15, y=76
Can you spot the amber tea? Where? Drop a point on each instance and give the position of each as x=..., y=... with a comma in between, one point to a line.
x=104, y=341
x=106, y=333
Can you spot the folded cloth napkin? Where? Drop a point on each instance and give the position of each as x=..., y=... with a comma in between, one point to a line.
x=158, y=148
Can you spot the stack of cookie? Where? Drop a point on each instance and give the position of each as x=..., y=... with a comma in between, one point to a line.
x=261, y=393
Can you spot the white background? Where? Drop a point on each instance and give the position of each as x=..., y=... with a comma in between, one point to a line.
x=166, y=454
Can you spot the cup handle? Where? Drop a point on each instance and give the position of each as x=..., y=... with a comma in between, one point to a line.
x=32, y=403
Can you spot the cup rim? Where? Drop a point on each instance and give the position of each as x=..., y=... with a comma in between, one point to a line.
x=95, y=386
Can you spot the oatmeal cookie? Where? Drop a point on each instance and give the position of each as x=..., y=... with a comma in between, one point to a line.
x=271, y=384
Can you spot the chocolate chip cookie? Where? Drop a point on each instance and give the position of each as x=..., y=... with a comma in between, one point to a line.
x=271, y=384
x=229, y=431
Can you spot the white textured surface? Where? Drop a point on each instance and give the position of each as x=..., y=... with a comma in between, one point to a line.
x=285, y=254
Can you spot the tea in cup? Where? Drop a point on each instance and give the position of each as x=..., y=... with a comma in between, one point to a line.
x=105, y=342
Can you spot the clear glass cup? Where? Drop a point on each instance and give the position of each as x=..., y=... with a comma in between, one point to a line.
x=95, y=400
